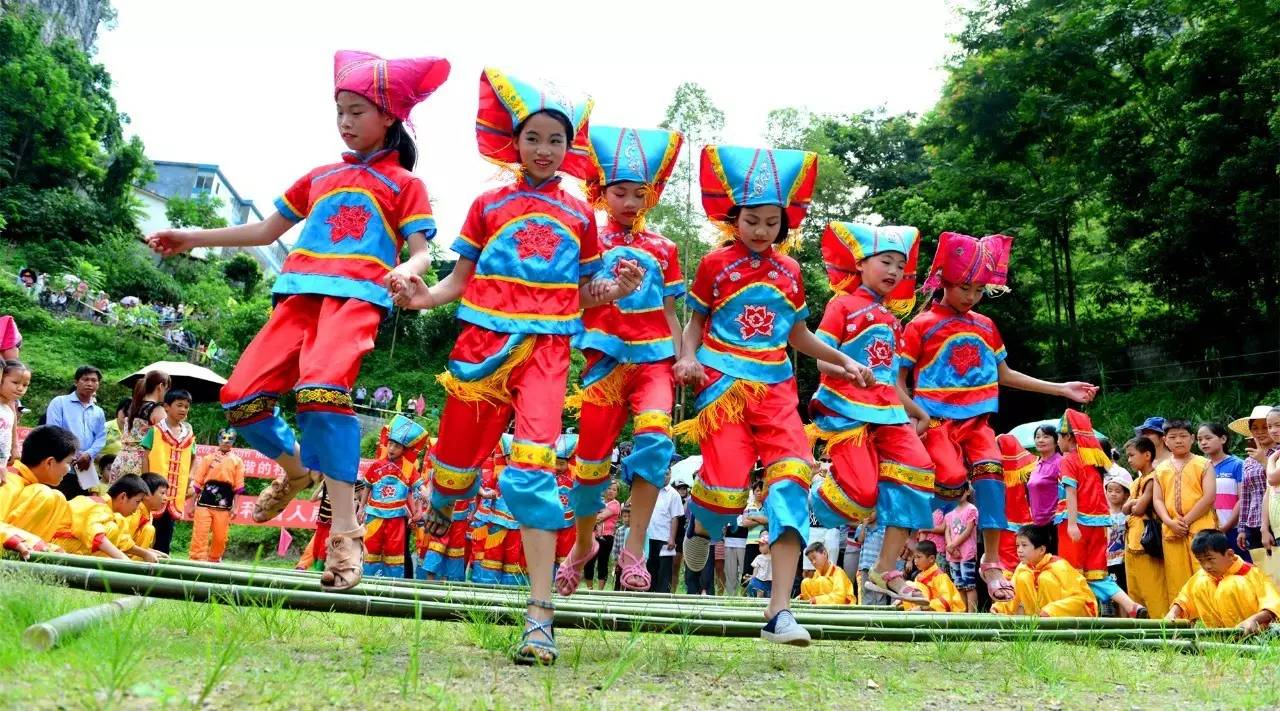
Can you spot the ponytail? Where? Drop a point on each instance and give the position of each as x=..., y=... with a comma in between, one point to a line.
x=398, y=139
x=142, y=387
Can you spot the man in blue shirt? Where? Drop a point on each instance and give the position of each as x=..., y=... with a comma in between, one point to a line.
x=78, y=412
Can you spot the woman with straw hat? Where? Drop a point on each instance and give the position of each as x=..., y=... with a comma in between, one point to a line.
x=1253, y=487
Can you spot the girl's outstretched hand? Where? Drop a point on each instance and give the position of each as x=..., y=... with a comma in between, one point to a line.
x=167, y=243
x=688, y=371
x=1079, y=392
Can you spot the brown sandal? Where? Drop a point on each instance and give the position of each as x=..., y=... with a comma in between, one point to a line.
x=344, y=562
x=273, y=499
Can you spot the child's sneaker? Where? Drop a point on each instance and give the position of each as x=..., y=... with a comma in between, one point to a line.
x=783, y=629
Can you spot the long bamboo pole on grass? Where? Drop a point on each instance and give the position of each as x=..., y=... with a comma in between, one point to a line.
x=510, y=602
x=96, y=580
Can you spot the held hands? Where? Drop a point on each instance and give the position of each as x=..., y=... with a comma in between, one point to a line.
x=688, y=371
x=1182, y=527
x=857, y=372
x=167, y=243
x=408, y=290
x=628, y=277
x=1257, y=454
x=1079, y=392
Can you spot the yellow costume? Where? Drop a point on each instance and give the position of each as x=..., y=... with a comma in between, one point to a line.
x=1240, y=594
x=1144, y=575
x=169, y=455
x=1054, y=587
x=92, y=522
x=936, y=586
x=1180, y=492
x=828, y=587
x=30, y=512
x=135, y=530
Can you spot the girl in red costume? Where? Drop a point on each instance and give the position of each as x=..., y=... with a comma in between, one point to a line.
x=527, y=257
x=330, y=298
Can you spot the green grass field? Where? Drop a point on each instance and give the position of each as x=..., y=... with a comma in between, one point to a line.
x=189, y=655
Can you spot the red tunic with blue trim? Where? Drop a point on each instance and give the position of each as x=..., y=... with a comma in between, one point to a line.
x=1092, y=508
x=389, y=489
x=858, y=325
x=358, y=215
x=751, y=301
x=956, y=357
x=634, y=329
x=532, y=245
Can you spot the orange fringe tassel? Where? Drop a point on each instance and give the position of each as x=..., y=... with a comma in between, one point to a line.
x=492, y=388
x=857, y=436
x=729, y=407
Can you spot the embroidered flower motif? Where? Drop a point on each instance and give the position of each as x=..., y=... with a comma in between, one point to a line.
x=755, y=321
x=755, y=263
x=348, y=221
x=965, y=357
x=879, y=353
x=773, y=274
x=535, y=239
x=735, y=276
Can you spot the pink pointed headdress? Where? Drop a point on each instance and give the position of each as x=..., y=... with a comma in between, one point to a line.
x=961, y=259
x=395, y=86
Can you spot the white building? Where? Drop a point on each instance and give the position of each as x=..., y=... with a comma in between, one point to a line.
x=187, y=180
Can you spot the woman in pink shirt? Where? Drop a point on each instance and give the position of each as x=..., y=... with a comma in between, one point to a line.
x=596, y=572
x=1042, y=487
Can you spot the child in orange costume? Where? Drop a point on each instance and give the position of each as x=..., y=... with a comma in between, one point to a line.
x=32, y=512
x=1185, y=488
x=218, y=479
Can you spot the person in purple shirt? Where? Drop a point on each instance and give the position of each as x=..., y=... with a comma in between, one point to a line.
x=1042, y=486
x=78, y=412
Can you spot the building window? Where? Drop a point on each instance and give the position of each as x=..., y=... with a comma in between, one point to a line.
x=204, y=183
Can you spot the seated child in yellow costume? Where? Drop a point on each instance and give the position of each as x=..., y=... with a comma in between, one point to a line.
x=932, y=584
x=31, y=510
x=829, y=584
x=94, y=525
x=1226, y=591
x=1045, y=584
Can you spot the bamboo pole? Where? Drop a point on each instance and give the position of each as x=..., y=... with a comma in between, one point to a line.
x=47, y=635
x=510, y=602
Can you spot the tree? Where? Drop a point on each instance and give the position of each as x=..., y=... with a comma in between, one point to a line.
x=700, y=121
x=199, y=211
x=243, y=270
x=59, y=126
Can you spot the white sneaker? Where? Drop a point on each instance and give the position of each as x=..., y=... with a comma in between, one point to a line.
x=783, y=629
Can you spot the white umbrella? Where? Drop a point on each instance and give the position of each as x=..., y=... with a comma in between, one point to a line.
x=683, y=470
x=1026, y=432
x=203, y=384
